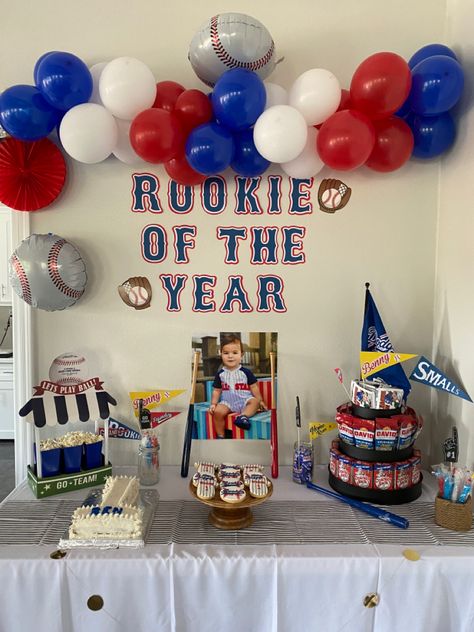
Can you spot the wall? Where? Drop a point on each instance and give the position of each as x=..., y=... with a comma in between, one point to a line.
x=386, y=235
x=454, y=306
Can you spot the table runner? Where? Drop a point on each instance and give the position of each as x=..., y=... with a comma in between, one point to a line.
x=276, y=522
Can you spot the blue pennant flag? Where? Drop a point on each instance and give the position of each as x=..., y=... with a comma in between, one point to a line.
x=429, y=374
x=375, y=338
x=118, y=430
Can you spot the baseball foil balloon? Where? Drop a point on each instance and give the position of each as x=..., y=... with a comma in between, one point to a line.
x=231, y=40
x=47, y=272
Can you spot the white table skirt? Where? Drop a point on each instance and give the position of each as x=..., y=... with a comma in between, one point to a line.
x=215, y=588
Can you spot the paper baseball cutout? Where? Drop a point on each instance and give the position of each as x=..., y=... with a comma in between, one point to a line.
x=136, y=292
x=333, y=195
x=68, y=369
x=47, y=272
x=231, y=40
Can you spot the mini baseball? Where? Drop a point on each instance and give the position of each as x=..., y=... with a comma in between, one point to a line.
x=68, y=369
x=138, y=296
x=331, y=198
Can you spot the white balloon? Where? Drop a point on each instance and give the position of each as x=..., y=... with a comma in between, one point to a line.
x=316, y=94
x=123, y=150
x=308, y=163
x=280, y=133
x=88, y=133
x=127, y=86
x=96, y=71
x=276, y=95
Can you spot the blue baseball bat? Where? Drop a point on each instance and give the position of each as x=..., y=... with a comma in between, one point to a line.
x=381, y=514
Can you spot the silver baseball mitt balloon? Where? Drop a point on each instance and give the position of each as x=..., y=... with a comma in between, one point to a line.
x=231, y=40
x=47, y=272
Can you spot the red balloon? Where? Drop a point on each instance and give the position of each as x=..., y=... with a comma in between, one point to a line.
x=345, y=140
x=166, y=94
x=345, y=104
x=157, y=135
x=181, y=171
x=193, y=108
x=380, y=85
x=393, y=145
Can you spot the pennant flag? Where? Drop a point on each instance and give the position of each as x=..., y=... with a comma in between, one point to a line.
x=159, y=417
x=375, y=338
x=318, y=428
x=152, y=399
x=373, y=361
x=118, y=430
x=338, y=372
x=429, y=374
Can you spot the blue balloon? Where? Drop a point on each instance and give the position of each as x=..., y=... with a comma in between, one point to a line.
x=238, y=99
x=247, y=161
x=210, y=149
x=25, y=114
x=433, y=135
x=428, y=51
x=437, y=85
x=40, y=59
x=64, y=80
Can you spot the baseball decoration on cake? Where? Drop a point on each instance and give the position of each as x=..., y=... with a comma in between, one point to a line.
x=68, y=369
x=231, y=40
x=333, y=195
x=47, y=272
x=136, y=292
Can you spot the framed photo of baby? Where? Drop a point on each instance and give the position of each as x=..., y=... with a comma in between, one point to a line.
x=235, y=394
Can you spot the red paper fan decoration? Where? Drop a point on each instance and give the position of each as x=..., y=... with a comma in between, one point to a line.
x=32, y=174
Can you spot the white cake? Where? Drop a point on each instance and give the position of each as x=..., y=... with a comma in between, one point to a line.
x=117, y=517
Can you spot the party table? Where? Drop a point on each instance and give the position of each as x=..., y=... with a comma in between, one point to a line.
x=306, y=563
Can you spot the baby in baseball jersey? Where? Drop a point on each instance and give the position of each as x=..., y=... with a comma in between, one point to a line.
x=234, y=390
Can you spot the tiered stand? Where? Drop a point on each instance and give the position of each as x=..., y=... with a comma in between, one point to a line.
x=382, y=497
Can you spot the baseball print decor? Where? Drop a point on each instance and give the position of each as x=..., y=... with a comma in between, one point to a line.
x=231, y=40
x=136, y=292
x=47, y=272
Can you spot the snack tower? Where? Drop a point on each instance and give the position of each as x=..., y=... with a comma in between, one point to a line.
x=374, y=458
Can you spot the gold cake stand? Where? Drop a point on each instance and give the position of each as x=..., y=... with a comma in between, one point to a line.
x=229, y=516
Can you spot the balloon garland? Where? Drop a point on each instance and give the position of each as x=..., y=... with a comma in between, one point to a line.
x=393, y=110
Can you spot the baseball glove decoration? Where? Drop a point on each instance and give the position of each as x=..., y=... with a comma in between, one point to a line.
x=136, y=292
x=333, y=195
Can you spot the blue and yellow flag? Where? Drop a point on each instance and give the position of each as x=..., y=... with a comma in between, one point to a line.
x=375, y=338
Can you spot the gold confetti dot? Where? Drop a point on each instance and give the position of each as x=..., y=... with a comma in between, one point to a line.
x=57, y=555
x=95, y=602
x=371, y=600
x=411, y=554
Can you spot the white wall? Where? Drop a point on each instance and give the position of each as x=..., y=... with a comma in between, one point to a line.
x=387, y=233
x=454, y=306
